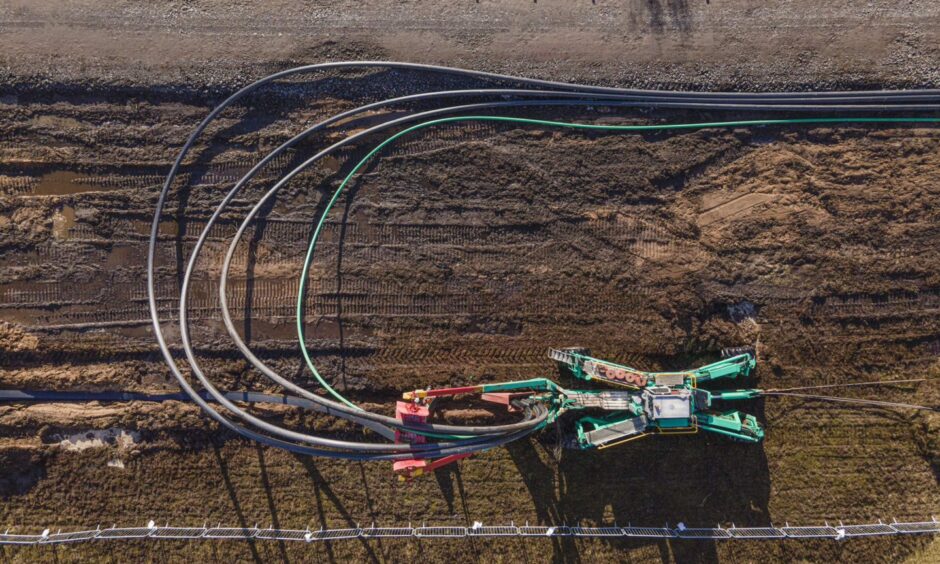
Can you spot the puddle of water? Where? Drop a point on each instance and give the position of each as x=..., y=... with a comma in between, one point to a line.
x=330, y=163
x=168, y=228
x=144, y=331
x=124, y=255
x=58, y=183
x=62, y=221
x=66, y=182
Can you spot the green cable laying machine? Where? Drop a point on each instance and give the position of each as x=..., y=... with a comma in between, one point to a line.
x=653, y=402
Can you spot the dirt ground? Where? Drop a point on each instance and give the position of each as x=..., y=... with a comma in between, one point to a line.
x=461, y=257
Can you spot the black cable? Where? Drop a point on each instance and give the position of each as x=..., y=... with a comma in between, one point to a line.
x=865, y=101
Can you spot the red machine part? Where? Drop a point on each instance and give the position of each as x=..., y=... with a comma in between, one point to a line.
x=408, y=412
x=416, y=412
x=615, y=374
x=411, y=469
x=505, y=398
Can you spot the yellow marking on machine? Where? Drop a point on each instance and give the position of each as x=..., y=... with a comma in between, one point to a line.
x=627, y=440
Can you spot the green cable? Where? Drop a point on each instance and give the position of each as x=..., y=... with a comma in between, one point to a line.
x=624, y=128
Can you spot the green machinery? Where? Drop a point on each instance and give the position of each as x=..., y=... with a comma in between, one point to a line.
x=657, y=402
x=651, y=402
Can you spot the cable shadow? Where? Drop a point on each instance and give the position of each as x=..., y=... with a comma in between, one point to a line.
x=320, y=486
x=184, y=192
x=233, y=496
x=450, y=481
x=261, y=222
x=539, y=480
x=341, y=245
x=266, y=485
x=190, y=174
x=349, y=196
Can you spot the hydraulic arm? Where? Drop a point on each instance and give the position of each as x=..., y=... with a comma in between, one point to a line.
x=588, y=368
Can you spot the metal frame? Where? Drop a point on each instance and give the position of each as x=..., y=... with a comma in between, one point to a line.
x=167, y=532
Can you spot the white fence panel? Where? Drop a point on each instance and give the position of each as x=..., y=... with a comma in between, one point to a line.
x=827, y=531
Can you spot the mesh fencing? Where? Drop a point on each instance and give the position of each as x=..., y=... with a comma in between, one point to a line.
x=152, y=531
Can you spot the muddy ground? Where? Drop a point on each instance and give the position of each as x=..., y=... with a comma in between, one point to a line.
x=461, y=257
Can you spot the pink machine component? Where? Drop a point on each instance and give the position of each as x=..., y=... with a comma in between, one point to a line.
x=413, y=412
